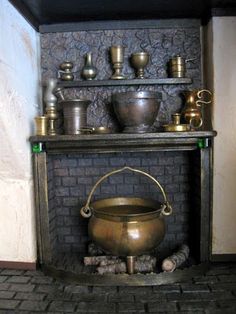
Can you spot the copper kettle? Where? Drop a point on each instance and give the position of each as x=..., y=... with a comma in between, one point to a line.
x=192, y=110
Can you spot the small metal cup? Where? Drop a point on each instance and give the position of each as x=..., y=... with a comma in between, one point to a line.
x=41, y=123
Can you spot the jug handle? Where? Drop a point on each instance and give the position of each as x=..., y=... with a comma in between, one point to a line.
x=166, y=208
x=192, y=126
x=200, y=95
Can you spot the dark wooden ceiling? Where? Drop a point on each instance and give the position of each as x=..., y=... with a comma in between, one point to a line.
x=48, y=12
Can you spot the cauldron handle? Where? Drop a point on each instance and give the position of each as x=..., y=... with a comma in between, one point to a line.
x=86, y=211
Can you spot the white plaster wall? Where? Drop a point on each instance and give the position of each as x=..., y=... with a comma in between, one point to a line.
x=19, y=96
x=224, y=121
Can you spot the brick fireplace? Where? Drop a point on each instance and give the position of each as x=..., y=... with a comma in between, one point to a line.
x=66, y=167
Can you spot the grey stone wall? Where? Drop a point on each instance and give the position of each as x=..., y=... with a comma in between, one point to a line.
x=75, y=175
x=162, y=44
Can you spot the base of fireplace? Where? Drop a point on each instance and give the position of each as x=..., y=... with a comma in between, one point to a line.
x=70, y=269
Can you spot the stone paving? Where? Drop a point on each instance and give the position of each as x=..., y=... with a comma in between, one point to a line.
x=33, y=292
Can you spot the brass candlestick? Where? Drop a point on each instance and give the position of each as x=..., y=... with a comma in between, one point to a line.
x=117, y=59
x=50, y=100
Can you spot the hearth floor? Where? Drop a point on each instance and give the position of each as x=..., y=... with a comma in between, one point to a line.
x=32, y=292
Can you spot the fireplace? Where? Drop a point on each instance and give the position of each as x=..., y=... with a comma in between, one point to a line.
x=66, y=168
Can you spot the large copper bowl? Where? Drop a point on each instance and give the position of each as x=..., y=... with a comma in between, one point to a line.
x=126, y=226
x=136, y=111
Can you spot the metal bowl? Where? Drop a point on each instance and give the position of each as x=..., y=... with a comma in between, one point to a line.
x=136, y=111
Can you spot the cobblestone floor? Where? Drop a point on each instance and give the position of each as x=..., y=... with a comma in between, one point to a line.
x=33, y=292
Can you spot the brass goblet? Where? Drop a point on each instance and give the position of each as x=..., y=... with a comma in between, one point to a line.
x=117, y=59
x=139, y=60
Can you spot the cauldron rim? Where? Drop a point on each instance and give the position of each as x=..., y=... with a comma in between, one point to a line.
x=100, y=208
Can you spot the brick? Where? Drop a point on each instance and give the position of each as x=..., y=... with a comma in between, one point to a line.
x=141, y=188
x=131, y=180
x=62, y=191
x=76, y=171
x=227, y=286
x=63, y=211
x=172, y=188
x=218, y=295
x=85, y=162
x=67, y=162
x=195, y=288
x=92, y=171
x=61, y=172
x=196, y=305
x=108, y=189
x=3, y=278
x=30, y=296
x=96, y=307
x=175, y=288
x=173, y=170
x=79, y=190
x=6, y=294
x=85, y=180
x=46, y=288
x=183, y=296
x=117, y=298
x=117, y=179
x=69, y=181
x=162, y=306
x=225, y=278
x=38, y=306
x=135, y=290
x=226, y=304
x=18, y=279
x=205, y=279
x=101, y=162
x=12, y=272
x=131, y=306
x=42, y=280
x=124, y=189
x=8, y=304
x=166, y=160
x=133, y=162
x=62, y=306
x=151, y=297
x=149, y=161
x=33, y=273
x=117, y=161
x=4, y=286
x=90, y=297
x=156, y=171
x=70, y=201
x=98, y=289
x=22, y=287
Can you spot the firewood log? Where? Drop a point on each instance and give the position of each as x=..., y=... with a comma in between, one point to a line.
x=170, y=263
x=117, y=268
x=96, y=260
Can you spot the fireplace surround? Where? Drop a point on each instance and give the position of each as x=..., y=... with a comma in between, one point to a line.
x=66, y=167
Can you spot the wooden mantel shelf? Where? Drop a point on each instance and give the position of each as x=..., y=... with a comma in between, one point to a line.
x=115, y=142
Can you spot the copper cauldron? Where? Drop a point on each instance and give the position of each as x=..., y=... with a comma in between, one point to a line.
x=126, y=226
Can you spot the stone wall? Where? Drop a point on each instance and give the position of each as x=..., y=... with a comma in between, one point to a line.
x=162, y=44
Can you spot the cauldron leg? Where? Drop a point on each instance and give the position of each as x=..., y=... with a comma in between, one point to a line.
x=130, y=264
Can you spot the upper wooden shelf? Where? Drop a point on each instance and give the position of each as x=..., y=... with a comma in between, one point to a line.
x=128, y=82
x=117, y=142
